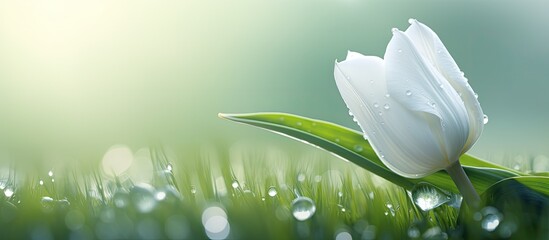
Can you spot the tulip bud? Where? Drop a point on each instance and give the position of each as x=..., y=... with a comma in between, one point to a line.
x=415, y=106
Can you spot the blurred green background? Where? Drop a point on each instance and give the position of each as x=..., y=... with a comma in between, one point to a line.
x=79, y=76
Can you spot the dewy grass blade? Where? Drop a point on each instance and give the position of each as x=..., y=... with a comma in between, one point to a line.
x=350, y=145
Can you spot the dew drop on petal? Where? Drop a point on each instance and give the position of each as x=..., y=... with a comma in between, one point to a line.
x=408, y=93
x=376, y=105
x=476, y=95
x=303, y=208
x=386, y=106
x=485, y=119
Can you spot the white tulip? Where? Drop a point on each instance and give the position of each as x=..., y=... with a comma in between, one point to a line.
x=414, y=106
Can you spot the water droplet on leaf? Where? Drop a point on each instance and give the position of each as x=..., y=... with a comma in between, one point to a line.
x=427, y=196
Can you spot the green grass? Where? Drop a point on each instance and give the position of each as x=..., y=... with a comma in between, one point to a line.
x=349, y=201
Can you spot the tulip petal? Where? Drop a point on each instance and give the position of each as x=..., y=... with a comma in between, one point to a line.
x=408, y=149
x=416, y=84
x=429, y=44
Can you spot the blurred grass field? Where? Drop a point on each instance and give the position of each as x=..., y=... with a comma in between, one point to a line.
x=223, y=192
x=243, y=194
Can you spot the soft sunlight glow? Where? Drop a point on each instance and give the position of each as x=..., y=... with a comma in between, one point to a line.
x=117, y=160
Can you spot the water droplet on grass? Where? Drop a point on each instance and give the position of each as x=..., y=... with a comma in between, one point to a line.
x=193, y=189
x=142, y=197
x=413, y=232
x=428, y=197
x=272, y=191
x=344, y=235
x=303, y=208
x=301, y=177
x=216, y=223
x=47, y=203
x=235, y=184
x=8, y=192
x=358, y=148
x=491, y=218
x=121, y=199
x=63, y=203
x=50, y=173
x=490, y=222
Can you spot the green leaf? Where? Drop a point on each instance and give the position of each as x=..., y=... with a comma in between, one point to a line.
x=350, y=145
x=537, y=183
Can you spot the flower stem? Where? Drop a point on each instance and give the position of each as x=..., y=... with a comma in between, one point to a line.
x=464, y=185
